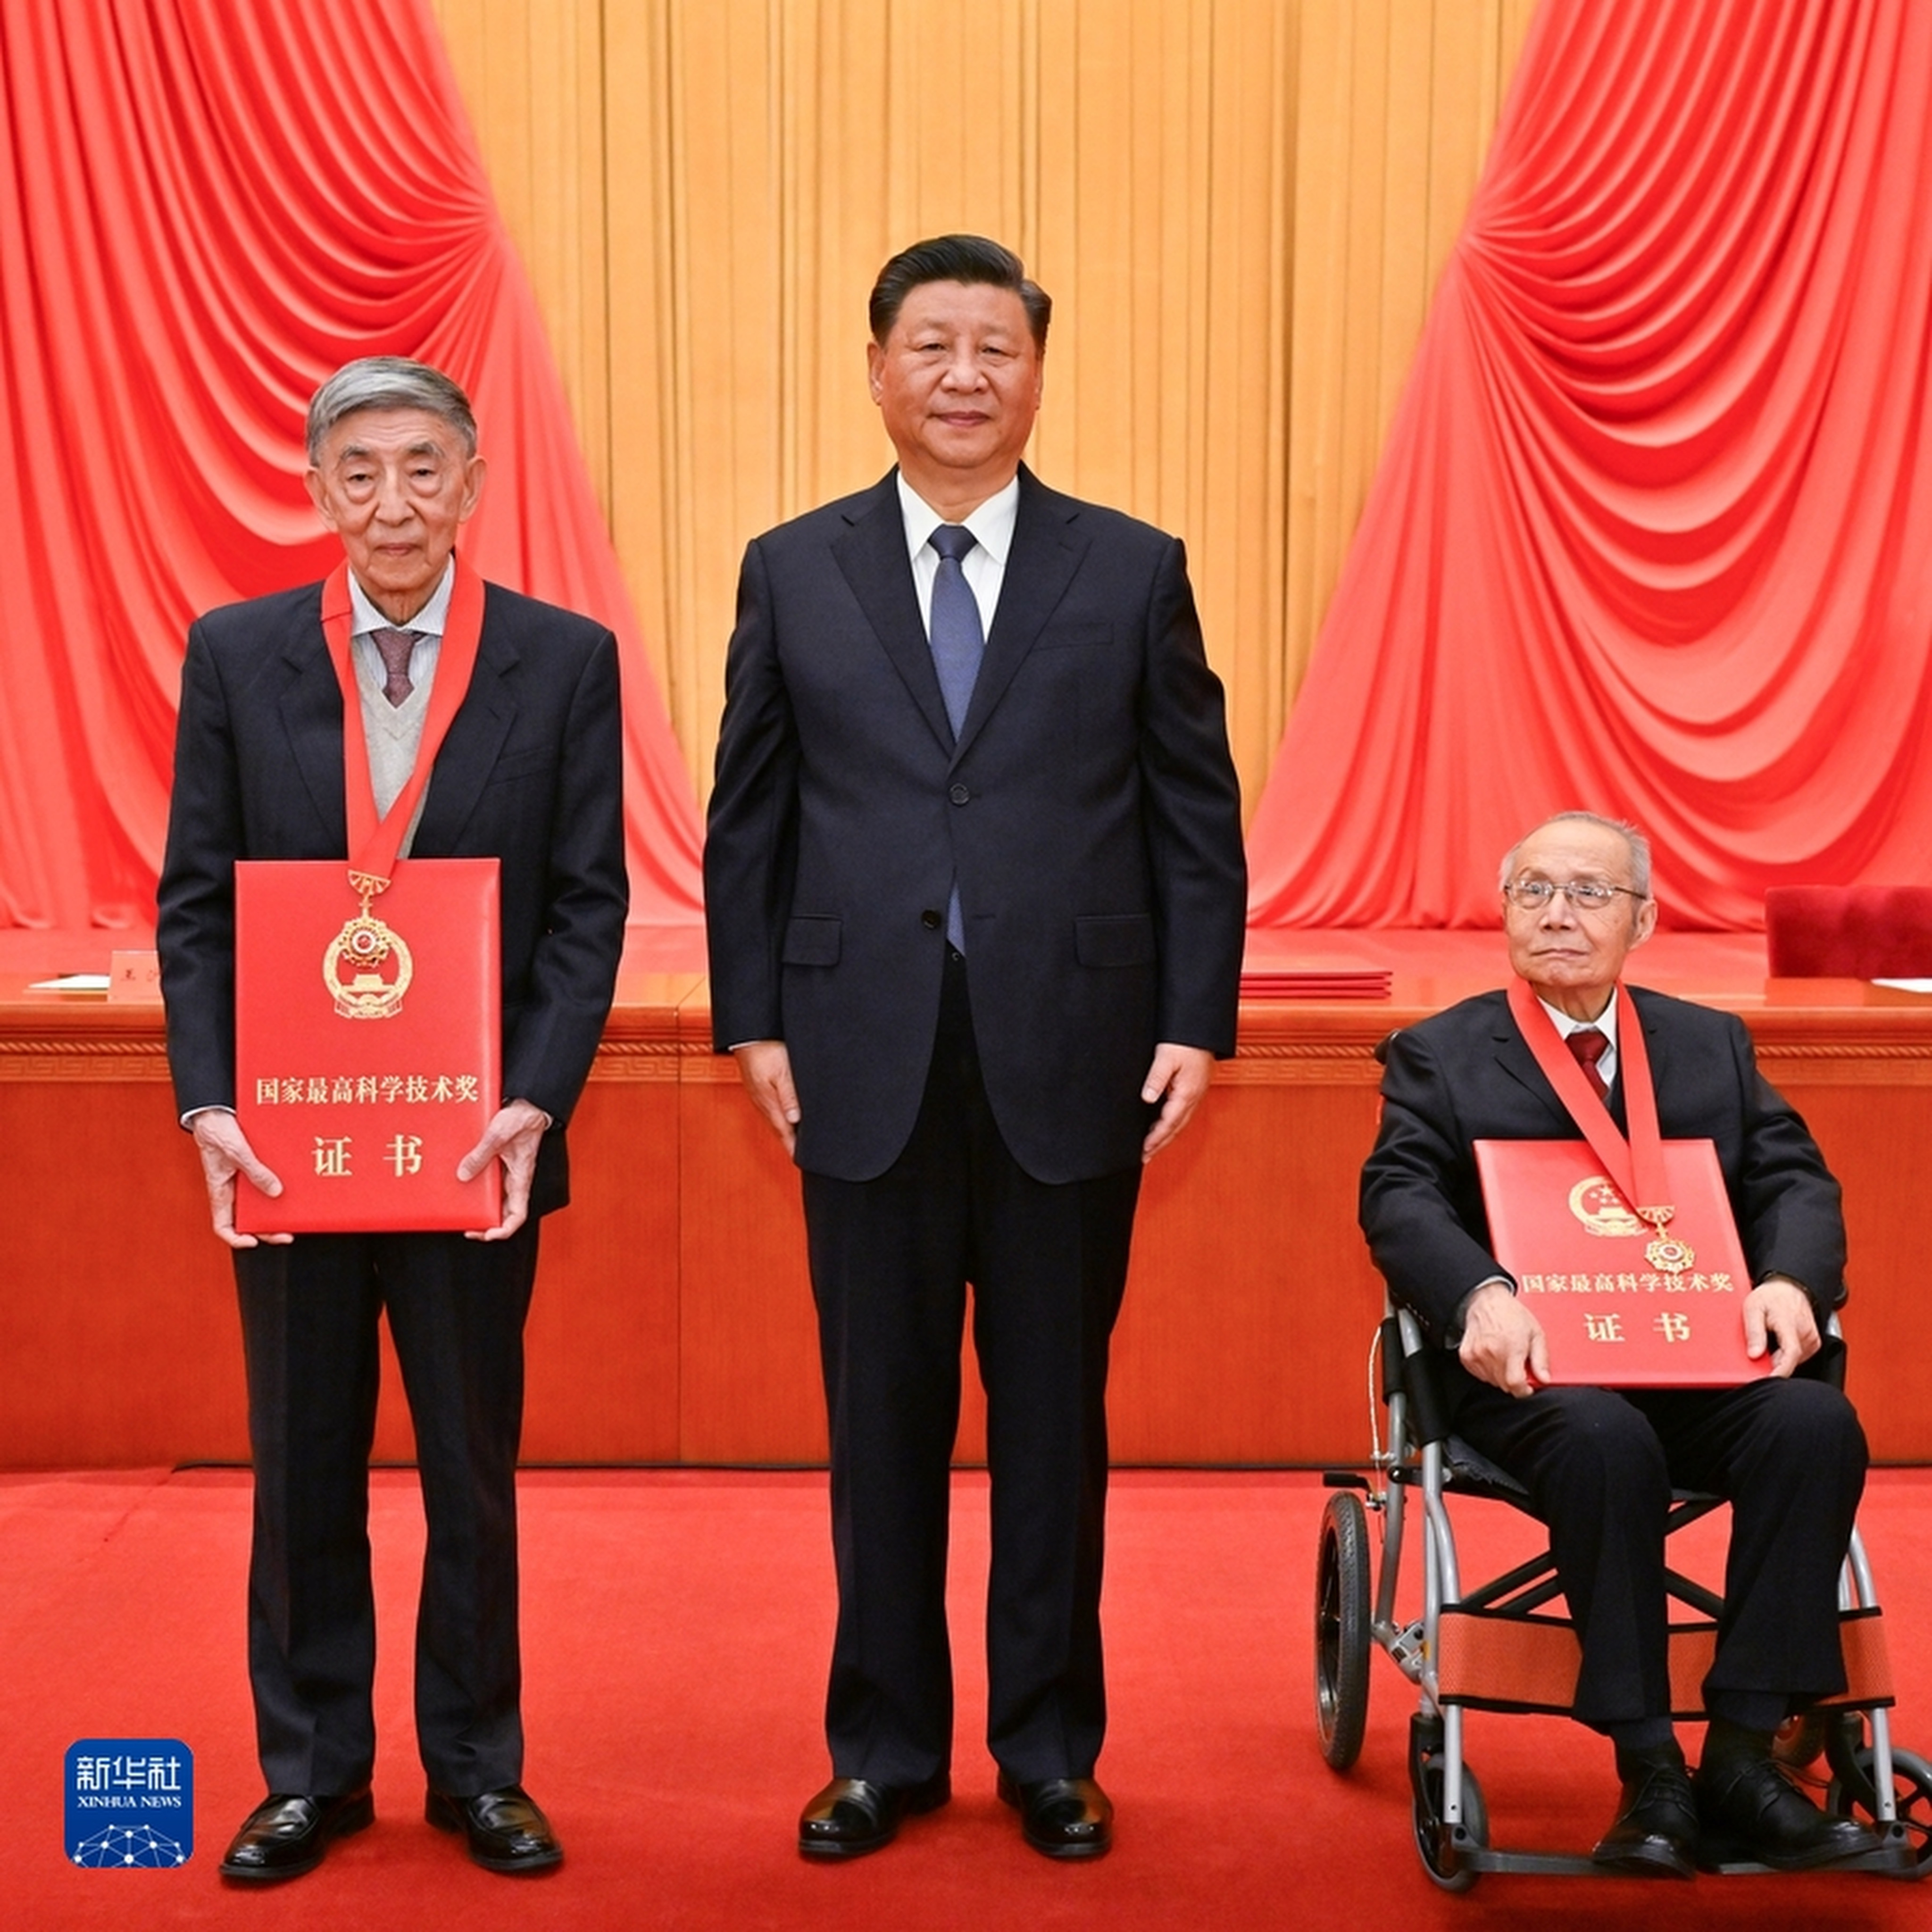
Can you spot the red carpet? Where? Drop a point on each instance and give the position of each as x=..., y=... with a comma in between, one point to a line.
x=676, y=1627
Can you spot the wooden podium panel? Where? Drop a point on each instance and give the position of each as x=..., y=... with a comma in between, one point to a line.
x=673, y=1319
x=124, y=1343
x=601, y=1343
x=749, y=1388
x=1250, y=1304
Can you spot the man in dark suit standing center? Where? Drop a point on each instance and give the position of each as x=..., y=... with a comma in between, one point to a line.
x=975, y=899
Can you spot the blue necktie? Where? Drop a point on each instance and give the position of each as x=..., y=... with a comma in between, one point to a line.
x=958, y=645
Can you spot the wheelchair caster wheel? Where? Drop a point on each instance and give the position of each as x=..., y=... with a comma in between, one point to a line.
x=1444, y=1848
x=1854, y=1796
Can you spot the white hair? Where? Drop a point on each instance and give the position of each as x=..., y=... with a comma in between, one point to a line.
x=1640, y=846
x=387, y=382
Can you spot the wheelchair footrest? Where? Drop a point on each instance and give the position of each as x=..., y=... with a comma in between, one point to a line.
x=1889, y=1861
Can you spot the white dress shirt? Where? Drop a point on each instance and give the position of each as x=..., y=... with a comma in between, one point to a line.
x=984, y=566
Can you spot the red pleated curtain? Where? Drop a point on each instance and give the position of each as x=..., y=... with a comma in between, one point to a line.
x=1653, y=532
x=204, y=208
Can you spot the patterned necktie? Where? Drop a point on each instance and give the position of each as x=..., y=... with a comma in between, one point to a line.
x=396, y=647
x=1589, y=1046
x=958, y=645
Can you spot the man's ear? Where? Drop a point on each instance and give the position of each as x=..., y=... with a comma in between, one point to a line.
x=312, y=480
x=474, y=473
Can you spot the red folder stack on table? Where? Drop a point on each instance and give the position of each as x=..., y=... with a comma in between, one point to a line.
x=1315, y=982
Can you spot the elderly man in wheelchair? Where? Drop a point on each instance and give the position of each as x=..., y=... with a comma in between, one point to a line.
x=1599, y=1463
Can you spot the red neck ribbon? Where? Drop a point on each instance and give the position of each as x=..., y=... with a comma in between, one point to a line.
x=1635, y=1165
x=373, y=843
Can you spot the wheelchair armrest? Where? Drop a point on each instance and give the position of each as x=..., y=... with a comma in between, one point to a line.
x=1411, y=1368
x=1828, y=1365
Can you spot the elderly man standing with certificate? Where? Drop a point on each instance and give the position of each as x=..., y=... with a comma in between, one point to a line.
x=391, y=910
x=1561, y=1058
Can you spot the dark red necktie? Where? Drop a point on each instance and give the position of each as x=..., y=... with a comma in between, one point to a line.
x=1589, y=1046
x=395, y=647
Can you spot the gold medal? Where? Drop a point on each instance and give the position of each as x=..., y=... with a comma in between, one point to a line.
x=368, y=946
x=1667, y=1253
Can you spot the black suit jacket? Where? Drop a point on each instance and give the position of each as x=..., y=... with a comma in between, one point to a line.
x=530, y=773
x=1089, y=808
x=1468, y=1075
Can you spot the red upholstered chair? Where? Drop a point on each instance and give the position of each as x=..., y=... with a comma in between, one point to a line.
x=1849, y=932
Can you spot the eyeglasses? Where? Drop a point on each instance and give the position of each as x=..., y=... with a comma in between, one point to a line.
x=1584, y=895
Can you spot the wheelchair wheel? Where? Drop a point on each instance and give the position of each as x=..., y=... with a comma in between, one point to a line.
x=1341, y=1630
x=1442, y=1851
x=1852, y=1795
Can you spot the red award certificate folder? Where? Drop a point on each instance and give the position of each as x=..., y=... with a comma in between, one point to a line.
x=368, y=1044
x=1623, y=1304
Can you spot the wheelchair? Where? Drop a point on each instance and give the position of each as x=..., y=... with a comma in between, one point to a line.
x=1485, y=1645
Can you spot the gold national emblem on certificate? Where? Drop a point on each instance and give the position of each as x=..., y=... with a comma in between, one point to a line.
x=1600, y=1208
x=368, y=946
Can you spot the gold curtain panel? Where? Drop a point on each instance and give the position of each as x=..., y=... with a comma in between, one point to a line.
x=1239, y=206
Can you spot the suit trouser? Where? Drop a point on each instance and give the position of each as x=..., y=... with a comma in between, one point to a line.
x=890, y=1261
x=309, y=1326
x=1600, y=1466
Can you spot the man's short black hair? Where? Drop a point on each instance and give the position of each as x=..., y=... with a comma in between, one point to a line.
x=956, y=258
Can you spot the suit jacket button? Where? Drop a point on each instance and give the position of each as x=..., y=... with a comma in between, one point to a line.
x=931, y=921
x=959, y=794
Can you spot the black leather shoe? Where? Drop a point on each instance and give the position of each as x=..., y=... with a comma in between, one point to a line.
x=1654, y=1833
x=853, y=1816
x=286, y=1834
x=1750, y=1811
x=505, y=1830
x=1064, y=1817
